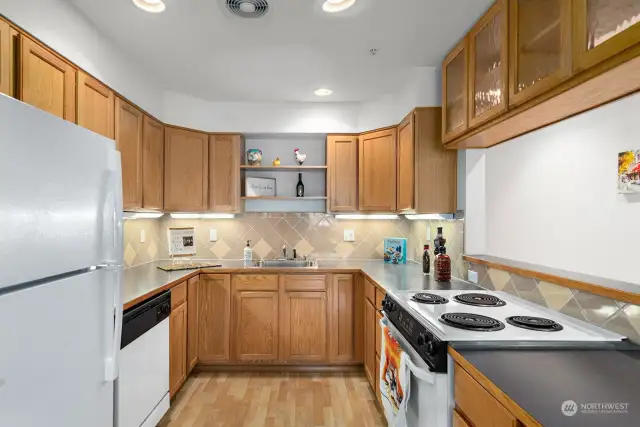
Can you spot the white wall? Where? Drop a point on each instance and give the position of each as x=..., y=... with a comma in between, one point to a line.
x=551, y=195
x=475, y=210
x=60, y=26
x=422, y=89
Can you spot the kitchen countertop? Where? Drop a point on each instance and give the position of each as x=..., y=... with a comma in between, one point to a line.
x=541, y=380
x=144, y=281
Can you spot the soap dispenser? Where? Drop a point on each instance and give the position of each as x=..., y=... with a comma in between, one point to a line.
x=248, y=255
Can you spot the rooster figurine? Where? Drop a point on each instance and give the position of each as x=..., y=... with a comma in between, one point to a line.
x=300, y=158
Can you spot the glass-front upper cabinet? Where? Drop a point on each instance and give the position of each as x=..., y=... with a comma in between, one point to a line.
x=488, y=70
x=539, y=47
x=454, y=92
x=603, y=28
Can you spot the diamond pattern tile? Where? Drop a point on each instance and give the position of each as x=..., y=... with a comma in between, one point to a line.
x=262, y=249
x=129, y=255
x=555, y=296
x=499, y=278
x=220, y=249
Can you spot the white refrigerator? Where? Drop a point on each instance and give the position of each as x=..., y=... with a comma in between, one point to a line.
x=60, y=271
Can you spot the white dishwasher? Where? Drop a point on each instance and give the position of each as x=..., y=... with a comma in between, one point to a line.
x=142, y=388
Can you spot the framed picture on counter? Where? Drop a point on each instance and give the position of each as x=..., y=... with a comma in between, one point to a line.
x=181, y=241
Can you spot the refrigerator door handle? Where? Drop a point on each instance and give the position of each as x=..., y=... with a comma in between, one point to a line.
x=115, y=326
x=112, y=197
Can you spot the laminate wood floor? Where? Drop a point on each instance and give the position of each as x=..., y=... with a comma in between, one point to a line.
x=274, y=399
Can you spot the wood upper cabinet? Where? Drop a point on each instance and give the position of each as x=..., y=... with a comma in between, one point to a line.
x=370, y=342
x=343, y=319
x=377, y=173
x=192, y=322
x=603, y=28
x=152, y=164
x=342, y=173
x=129, y=142
x=256, y=330
x=540, y=47
x=177, y=348
x=304, y=327
x=458, y=421
x=224, y=173
x=406, y=164
x=96, y=106
x=186, y=170
x=214, y=318
x=47, y=81
x=455, y=92
x=7, y=58
x=488, y=65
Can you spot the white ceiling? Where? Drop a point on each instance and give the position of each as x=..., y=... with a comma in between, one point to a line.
x=198, y=48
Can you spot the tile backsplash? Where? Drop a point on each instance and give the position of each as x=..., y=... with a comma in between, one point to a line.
x=317, y=235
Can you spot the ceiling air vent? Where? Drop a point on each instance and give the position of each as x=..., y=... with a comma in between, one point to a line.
x=248, y=8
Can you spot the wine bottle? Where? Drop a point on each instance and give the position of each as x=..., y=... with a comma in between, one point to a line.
x=300, y=187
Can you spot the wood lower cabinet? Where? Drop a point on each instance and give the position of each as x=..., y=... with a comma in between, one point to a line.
x=343, y=320
x=186, y=170
x=342, y=173
x=129, y=125
x=377, y=381
x=370, y=342
x=304, y=327
x=152, y=164
x=256, y=330
x=214, y=318
x=377, y=171
x=177, y=348
x=47, y=81
x=7, y=58
x=96, y=106
x=224, y=173
x=458, y=420
x=192, y=323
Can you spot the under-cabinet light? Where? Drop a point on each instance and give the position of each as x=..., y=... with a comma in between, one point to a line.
x=142, y=215
x=333, y=6
x=429, y=216
x=364, y=216
x=202, y=216
x=153, y=6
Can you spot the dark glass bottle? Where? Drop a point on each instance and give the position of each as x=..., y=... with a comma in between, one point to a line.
x=438, y=242
x=300, y=187
x=442, y=266
x=426, y=260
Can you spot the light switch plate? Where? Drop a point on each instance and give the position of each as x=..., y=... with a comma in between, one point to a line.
x=473, y=276
x=142, y=236
x=349, y=235
x=428, y=234
x=213, y=235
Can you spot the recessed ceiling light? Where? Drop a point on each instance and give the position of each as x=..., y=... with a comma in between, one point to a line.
x=332, y=6
x=247, y=7
x=323, y=92
x=153, y=6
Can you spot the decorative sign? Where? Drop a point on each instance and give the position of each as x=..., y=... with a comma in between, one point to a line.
x=629, y=172
x=182, y=241
x=256, y=187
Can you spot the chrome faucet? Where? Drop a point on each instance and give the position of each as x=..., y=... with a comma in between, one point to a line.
x=284, y=251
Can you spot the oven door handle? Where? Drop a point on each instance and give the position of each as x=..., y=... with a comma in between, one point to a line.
x=422, y=374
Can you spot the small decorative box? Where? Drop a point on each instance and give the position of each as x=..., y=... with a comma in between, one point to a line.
x=395, y=250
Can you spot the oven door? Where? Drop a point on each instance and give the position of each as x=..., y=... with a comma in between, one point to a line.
x=430, y=403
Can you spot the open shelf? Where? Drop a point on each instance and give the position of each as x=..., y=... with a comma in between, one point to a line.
x=282, y=198
x=283, y=168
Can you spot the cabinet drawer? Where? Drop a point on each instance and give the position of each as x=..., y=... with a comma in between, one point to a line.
x=255, y=282
x=178, y=295
x=305, y=282
x=370, y=291
x=477, y=404
x=379, y=297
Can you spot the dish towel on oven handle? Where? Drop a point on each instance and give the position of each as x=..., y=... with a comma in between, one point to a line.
x=395, y=379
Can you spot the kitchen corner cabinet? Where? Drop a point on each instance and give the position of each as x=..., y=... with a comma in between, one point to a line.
x=47, y=81
x=488, y=65
x=96, y=106
x=370, y=341
x=224, y=173
x=186, y=170
x=7, y=58
x=540, y=47
x=342, y=173
x=455, y=92
x=152, y=164
x=343, y=320
x=602, y=29
x=214, y=318
x=192, y=323
x=178, y=339
x=377, y=171
x=129, y=124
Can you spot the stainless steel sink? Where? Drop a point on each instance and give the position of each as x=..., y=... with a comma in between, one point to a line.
x=285, y=263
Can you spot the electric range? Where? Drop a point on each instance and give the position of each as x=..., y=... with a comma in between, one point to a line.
x=429, y=320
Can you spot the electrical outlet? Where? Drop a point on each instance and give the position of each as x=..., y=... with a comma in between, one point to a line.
x=349, y=235
x=213, y=235
x=142, y=236
x=473, y=276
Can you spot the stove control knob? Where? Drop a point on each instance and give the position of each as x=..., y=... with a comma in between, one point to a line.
x=431, y=348
x=165, y=309
x=388, y=305
x=421, y=340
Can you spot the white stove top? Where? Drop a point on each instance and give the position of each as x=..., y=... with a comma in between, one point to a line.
x=428, y=314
